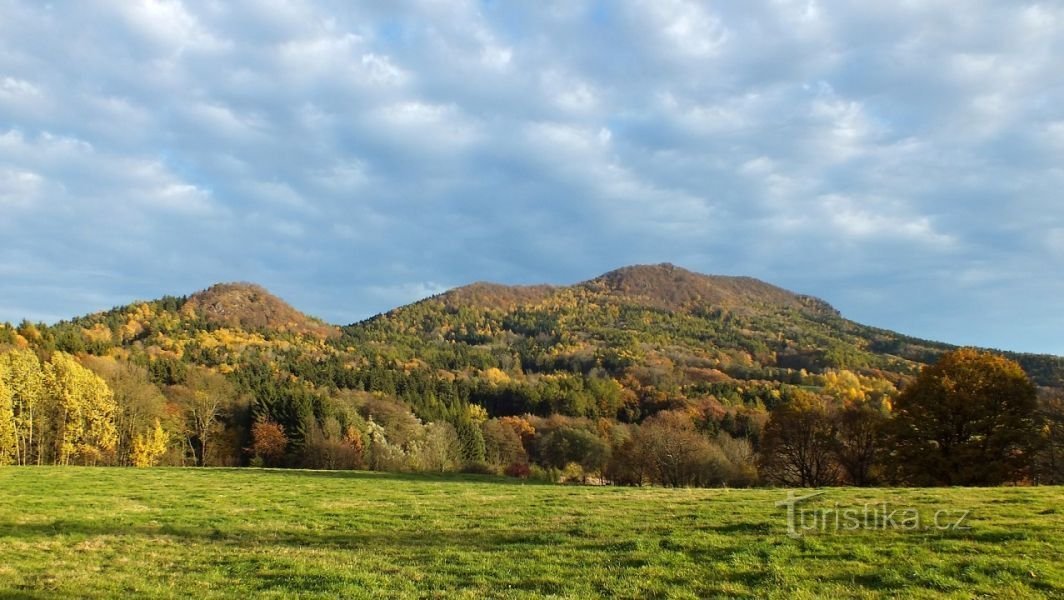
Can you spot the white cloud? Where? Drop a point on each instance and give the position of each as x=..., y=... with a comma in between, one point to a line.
x=167, y=23
x=854, y=219
x=19, y=188
x=687, y=28
x=22, y=97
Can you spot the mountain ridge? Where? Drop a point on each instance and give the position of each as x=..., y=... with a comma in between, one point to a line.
x=626, y=322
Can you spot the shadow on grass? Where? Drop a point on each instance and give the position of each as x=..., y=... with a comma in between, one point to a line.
x=488, y=540
x=463, y=478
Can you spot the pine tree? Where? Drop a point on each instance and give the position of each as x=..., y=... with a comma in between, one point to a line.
x=471, y=440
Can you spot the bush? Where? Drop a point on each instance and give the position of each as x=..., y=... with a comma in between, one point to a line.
x=518, y=470
x=573, y=473
x=538, y=473
x=477, y=467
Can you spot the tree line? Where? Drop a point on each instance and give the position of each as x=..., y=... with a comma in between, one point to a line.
x=972, y=418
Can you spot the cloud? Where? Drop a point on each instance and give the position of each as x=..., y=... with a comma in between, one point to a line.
x=350, y=155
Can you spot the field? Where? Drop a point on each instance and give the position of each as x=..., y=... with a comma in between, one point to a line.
x=111, y=533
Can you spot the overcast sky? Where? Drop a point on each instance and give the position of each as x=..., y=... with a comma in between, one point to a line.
x=902, y=160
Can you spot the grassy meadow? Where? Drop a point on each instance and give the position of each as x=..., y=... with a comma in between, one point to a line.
x=226, y=533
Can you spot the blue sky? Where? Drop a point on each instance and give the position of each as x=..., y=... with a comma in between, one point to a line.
x=903, y=161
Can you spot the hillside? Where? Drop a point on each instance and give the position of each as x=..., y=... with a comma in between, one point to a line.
x=479, y=375
x=217, y=327
x=250, y=307
x=656, y=330
x=657, y=317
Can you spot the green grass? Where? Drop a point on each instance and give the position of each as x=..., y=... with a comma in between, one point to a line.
x=110, y=533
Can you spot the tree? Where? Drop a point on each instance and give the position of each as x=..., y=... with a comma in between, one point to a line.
x=439, y=450
x=8, y=439
x=676, y=454
x=24, y=376
x=471, y=440
x=564, y=445
x=268, y=441
x=798, y=443
x=149, y=447
x=81, y=411
x=140, y=403
x=969, y=419
x=858, y=434
x=206, y=397
x=1050, y=467
x=502, y=444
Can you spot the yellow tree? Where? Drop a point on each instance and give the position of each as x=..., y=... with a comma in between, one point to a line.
x=8, y=441
x=21, y=371
x=81, y=411
x=149, y=447
x=139, y=402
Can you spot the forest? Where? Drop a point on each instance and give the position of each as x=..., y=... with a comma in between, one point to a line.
x=645, y=375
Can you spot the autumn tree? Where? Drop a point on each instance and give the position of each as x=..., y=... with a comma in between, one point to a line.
x=969, y=419
x=1050, y=462
x=140, y=403
x=23, y=375
x=798, y=443
x=148, y=448
x=439, y=449
x=206, y=398
x=8, y=439
x=269, y=442
x=859, y=430
x=564, y=445
x=81, y=411
x=502, y=444
x=668, y=449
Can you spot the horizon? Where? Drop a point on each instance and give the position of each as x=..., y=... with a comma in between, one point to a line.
x=900, y=163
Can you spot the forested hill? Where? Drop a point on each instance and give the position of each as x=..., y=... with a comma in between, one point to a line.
x=661, y=324
x=485, y=374
x=658, y=331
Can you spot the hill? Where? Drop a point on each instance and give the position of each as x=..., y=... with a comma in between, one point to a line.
x=250, y=307
x=479, y=375
x=217, y=328
x=653, y=329
x=658, y=316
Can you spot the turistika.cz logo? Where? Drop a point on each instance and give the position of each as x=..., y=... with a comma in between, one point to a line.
x=871, y=516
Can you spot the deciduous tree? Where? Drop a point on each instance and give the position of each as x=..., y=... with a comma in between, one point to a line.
x=82, y=410
x=150, y=446
x=798, y=443
x=969, y=419
x=24, y=377
x=269, y=442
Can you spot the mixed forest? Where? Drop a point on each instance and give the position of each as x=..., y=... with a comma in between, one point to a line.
x=645, y=375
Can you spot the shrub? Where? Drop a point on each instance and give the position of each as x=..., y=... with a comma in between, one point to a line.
x=477, y=467
x=518, y=470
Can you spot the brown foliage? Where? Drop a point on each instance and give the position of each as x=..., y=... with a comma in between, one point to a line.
x=798, y=444
x=248, y=306
x=969, y=419
x=268, y=442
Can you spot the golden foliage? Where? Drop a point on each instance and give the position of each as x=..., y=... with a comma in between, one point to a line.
x=82, y=410
x=149, y=447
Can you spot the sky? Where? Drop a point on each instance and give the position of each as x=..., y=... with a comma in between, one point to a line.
x=903, y=161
